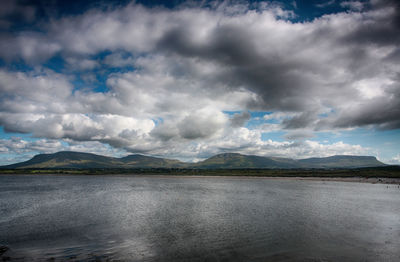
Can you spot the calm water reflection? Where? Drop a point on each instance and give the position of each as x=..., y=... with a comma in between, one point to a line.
x=137, y=218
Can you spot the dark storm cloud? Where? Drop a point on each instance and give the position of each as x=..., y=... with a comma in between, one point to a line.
x=271, y=76
x=228, y=44
x=381, y=29
x=302, y=120
x=383, y=113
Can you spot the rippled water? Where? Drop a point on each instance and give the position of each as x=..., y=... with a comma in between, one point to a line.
x=145, y=218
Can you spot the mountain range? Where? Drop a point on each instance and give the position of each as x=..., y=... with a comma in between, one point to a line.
x=78, y=160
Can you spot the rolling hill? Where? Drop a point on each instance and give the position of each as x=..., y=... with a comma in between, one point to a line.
x=68, y=159
x=77, y=160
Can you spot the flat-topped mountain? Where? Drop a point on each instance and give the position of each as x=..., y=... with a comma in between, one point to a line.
x=234, y=160
x=341, y=161
x=77, y=160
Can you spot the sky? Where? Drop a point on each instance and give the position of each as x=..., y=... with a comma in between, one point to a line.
x=191, y=79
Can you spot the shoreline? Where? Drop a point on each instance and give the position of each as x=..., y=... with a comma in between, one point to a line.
x=353, y=179
x=370, y=180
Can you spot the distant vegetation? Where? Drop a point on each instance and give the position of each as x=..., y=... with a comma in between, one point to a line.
x=368, y=172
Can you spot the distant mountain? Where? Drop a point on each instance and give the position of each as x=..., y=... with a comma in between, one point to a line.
x=148, y=161
x=68, y=159
x=341, y=161
x=234, y=160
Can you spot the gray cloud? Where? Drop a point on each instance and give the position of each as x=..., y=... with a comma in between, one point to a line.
x=200, y=125
x=231, y=46
x=302, y=120
x=381, y=25
x=165, y=132
x=12, y=11
x=239, y=119
x=383, y=113
x=297, y=135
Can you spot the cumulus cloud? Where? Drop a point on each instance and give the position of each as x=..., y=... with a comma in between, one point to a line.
x=19, y=145
x=395, y=160
x=188, y=65
x=245, y=141
x=17, y=149
x=201, y=125
x=34, y=92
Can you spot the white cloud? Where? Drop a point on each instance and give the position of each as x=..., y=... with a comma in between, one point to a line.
x=394, y=160
x=17, y=149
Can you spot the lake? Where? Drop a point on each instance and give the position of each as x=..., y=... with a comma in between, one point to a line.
x=160, y=218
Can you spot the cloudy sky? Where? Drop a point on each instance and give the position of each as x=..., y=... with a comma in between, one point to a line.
x=190, y=79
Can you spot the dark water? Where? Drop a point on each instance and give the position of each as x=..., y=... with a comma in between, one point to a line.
x=197, y=219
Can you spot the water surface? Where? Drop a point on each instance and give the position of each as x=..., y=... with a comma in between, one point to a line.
x=155, y=218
